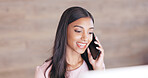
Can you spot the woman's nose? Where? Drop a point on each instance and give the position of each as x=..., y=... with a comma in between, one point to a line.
x=84, y=36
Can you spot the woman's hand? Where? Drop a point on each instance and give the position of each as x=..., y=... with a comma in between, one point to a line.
x=97, y=64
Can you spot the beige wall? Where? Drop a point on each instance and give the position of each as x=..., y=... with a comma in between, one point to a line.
x=27, y=30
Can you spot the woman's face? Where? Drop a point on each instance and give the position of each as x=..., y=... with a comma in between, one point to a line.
x=79, y=34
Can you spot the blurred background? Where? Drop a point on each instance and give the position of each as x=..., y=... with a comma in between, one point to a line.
x=28, y=27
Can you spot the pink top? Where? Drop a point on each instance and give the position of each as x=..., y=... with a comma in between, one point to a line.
x=71, y=74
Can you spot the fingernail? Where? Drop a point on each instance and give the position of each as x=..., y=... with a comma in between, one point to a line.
x=97, y=47
x=95, y=42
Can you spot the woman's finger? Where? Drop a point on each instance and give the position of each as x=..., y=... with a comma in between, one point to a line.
x=97, y=39
x=101, y=49
x=97, y=43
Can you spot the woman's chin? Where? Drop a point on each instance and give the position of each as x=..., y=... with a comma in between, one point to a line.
x=81, y=51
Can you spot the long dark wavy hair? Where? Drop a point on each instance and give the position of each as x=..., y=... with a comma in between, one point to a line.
x=58, y=60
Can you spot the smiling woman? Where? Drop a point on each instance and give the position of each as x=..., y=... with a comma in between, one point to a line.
x=71, y=53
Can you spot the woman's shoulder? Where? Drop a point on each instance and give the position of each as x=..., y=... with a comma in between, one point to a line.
x=44, y=66
x=40, y=70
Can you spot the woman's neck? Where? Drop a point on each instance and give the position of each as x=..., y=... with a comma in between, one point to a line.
x=74, y=60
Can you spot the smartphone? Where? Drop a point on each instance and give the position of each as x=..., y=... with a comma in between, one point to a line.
x=92, y=47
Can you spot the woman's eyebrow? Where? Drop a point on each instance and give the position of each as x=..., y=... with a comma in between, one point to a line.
x=78, y=26
x=82, y=27
x=91, y=28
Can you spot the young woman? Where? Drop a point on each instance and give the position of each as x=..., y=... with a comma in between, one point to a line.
x=71, y=55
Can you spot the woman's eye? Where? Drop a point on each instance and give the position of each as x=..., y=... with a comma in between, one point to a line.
x=90, y=32
x=77, y=31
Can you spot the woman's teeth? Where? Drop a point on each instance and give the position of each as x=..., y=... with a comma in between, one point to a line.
x=81, y=45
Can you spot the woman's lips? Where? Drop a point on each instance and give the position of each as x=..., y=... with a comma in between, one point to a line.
x=81, y=45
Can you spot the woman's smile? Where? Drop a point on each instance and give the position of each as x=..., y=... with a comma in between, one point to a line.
x=81, y=45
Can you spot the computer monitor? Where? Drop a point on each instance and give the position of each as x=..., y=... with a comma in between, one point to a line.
x=125, y=72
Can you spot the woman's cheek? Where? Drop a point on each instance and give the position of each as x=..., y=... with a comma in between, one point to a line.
x=76, y=36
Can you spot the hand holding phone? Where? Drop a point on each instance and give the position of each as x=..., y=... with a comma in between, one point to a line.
x=96, y=54
x=92, y=46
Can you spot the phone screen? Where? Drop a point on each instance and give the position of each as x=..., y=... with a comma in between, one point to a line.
x=92, y=46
